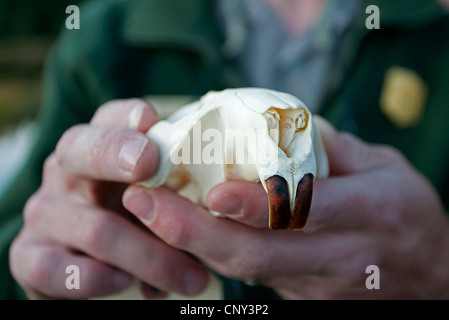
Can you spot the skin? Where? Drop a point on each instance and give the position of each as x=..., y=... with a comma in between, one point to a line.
x=297, y=15
x=374, y=209
x=77, y=218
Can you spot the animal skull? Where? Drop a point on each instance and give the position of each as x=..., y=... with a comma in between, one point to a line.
x=249, y=134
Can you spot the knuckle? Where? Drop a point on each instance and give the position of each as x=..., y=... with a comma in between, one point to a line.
x=16, y=248
x=175, y=234
x=66, y=141
x=41, y=270
x=97, y=154
x=97, y=236
x=34, y=208
x=50, y=166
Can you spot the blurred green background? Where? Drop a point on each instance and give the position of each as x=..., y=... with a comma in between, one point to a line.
x=28, y=28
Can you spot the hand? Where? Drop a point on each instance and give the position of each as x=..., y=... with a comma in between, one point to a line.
x=374, y=209
x=77, y=217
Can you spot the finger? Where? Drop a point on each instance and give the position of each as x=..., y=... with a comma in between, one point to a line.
x=120, y=155
x=327, y=131
x=340, y=160
x=242, y=201
x=175, y=229
x=111, y=238
x=246, y=202
x=231, y=248
x=52, y=271
x=345, y=203
x=132, y=114
x=349, y=154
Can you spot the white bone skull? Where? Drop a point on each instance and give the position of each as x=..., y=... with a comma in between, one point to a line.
x=249, y=134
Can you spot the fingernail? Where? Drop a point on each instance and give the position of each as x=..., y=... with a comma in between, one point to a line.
x=141, y=204
x=228, y=204
x=130, y=154
x=194, y=281
x=121, y=280
x=135, y=116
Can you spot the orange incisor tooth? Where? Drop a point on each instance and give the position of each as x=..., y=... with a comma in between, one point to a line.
x=281, y=217
x=279, y=202
x=303, y=201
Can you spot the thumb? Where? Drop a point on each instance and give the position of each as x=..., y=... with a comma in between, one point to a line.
x=347, y=153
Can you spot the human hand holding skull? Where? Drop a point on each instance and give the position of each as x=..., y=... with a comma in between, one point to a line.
x=373, y=209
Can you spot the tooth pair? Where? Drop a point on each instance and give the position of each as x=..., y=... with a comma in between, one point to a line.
x=249, y=134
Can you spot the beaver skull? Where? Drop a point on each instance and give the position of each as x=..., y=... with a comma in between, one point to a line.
x=249, y=134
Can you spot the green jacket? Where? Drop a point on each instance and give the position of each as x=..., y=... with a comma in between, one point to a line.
x=134, y=48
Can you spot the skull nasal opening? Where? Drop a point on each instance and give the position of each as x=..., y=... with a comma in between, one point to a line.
x=287, y=122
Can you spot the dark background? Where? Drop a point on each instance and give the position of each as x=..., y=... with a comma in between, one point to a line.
x=28, y=29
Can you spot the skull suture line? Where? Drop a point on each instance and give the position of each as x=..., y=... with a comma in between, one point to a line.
x=282, y=149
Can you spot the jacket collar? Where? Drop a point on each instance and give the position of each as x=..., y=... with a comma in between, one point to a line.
x=187, y=25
